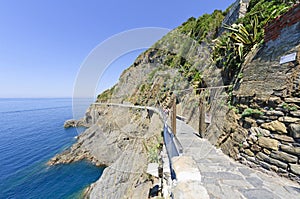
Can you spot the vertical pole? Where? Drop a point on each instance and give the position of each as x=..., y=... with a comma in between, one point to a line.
x=200, y=111
x=174, y=115
x=202, y=124
x=93, y=113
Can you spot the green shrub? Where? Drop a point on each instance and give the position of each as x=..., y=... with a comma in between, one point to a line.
x=106, y=95
x=203, y=28
x=235, y=109
x=153, y=154
x=289, y=107
x=251, y=112
x=152, y=73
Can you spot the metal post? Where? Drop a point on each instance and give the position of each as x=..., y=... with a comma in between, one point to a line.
x=173, y=115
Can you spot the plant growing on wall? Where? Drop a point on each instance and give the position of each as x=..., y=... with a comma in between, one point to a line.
x=247, y=34
x=251, y=112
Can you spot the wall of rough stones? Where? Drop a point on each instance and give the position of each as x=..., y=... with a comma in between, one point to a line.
x=272, y=136
x=264, y=129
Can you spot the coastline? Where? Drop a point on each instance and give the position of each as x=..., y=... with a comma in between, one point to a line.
x=117, y=141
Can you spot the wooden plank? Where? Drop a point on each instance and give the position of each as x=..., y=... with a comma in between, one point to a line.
x=202, y=125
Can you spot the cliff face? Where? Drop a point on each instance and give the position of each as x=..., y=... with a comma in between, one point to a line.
x=181, y=65
x=123, y=140
x=177, y=65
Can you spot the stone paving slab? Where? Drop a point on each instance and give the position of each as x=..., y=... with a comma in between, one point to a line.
x=222, y=177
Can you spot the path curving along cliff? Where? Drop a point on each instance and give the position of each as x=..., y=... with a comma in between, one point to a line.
x=254, y=120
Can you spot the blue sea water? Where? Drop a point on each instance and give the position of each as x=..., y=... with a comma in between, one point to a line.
x=31, y=132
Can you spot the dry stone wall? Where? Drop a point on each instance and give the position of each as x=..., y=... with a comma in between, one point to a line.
x=264, y=129
x=272, y=138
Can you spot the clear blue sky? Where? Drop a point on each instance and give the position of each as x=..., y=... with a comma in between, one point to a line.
x=43, y=43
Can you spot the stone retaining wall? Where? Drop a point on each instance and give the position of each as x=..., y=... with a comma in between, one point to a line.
x=263, y=130
x=272, y=136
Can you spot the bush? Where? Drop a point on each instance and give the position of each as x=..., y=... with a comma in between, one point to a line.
x=251, y=112
x=289, y=107
x=232, y=47
x=203, y=28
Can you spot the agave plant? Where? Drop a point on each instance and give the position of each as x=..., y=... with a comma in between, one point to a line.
x=242, y=39
x=231, y=49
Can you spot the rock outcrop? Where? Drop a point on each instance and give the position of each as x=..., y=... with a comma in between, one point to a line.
x=261, y=130
x=121, y=140
x=75, y=123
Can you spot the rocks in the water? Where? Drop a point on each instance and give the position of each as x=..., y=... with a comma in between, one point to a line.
x=74, y=154
x=73, y=123
x=104, y=145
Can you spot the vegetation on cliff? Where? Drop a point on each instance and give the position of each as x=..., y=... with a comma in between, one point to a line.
x=179, y=50
x=193, y=56
x=245, y=35
x=205, y=27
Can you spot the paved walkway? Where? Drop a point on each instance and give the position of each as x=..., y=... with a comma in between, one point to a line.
x=224, y=178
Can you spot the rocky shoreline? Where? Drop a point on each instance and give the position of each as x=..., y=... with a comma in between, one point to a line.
x=73, y=154
x=75, y=123
x=120, y=140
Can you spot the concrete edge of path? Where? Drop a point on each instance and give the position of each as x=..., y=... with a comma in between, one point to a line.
x=188, y=177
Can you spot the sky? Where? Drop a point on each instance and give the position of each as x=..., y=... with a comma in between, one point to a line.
x=43, y=44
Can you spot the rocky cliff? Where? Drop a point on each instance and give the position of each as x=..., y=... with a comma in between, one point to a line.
x=256, y=124
x=123, y=140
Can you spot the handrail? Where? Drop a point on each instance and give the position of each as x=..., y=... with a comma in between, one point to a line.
x=173, y=146
x=177, y=143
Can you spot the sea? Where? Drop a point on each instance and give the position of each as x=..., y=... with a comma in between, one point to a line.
x=31, y=132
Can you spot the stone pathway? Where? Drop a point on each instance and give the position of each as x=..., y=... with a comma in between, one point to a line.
x=224, y=178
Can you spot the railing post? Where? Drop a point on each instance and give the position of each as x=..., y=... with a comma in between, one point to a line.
x=201, y=118
x=173, y=115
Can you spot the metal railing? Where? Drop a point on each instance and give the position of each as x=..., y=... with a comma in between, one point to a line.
x=173, y=146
